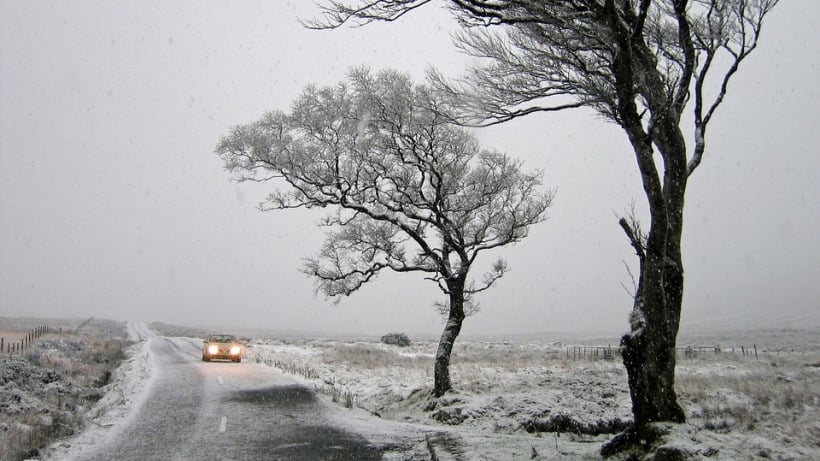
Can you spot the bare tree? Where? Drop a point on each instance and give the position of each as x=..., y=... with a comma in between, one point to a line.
x=410, y=191
x=639, y=64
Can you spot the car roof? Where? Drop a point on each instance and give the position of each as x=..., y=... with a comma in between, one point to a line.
x=221, y=337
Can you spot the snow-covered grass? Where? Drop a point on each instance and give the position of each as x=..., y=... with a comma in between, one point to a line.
x=768, y=406
x=126, y=390
x=529, y=401
x=46, y=391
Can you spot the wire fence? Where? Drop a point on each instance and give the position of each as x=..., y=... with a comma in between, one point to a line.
x=692, y=351
x=593, y=352
x=608, y=353
x=20, y=346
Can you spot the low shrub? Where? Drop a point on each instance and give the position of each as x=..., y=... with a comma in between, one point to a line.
x=396, y=339
x=565, y=423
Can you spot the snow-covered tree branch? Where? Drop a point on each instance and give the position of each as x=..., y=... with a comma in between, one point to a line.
x=411, y=192
x=638, y=63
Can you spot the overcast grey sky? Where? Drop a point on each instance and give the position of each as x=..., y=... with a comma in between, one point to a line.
x=113, y=204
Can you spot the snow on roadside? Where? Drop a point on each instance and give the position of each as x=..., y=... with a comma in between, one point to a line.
x=527, y=401
x=126, y=391
x=505, y=392
x=488, y=418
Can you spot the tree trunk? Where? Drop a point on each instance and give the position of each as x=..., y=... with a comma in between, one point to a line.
x=649, y=357
x=649, y=349
x=442, y=382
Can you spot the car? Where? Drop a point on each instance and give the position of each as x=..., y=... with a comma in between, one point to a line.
x=224, y=347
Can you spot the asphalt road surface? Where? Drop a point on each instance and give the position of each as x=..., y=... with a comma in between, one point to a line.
x=227, y=411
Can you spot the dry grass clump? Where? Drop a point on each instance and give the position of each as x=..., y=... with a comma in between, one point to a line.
x=24, y=435
x=88, y=360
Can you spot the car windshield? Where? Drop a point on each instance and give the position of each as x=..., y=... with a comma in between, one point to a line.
x=221, y=339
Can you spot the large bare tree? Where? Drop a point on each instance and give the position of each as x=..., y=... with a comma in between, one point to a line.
x=640, y=64
x=410, y=191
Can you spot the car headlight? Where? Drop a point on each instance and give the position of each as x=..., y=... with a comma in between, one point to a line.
x=213, y=349
x=235, y=350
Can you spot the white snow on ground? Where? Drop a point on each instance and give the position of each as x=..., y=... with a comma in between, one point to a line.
x=507, y=388
x=127, y=389
x=737, y=407
x=486, y=419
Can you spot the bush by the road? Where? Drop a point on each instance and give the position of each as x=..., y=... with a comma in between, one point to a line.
x=396, y=339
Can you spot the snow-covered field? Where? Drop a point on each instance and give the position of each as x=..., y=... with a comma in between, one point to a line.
x=532, y=400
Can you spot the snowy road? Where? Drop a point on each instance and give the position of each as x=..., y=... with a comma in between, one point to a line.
x=224, y=410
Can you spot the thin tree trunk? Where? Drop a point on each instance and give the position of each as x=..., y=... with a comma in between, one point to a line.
x=442, y=382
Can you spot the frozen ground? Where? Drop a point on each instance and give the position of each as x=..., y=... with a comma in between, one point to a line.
x=529, y=400
x=532, y=401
